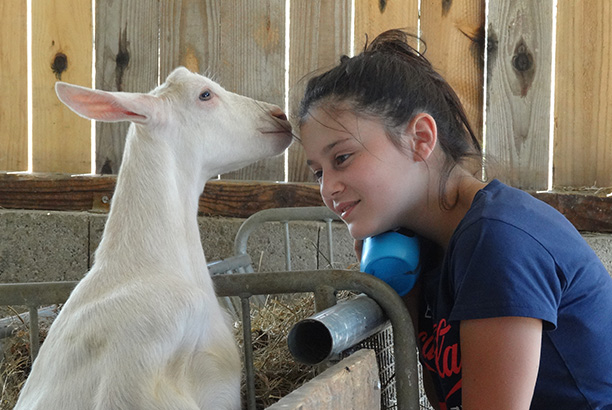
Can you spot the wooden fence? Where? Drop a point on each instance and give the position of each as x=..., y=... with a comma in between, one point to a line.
x=265, y=48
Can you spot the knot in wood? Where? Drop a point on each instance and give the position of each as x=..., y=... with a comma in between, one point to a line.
x=492, y=45
x=524, y=67
x=446, y=6
x=122, y=59
x=284, y=197
x=382, y=5
x=59, y=65
x=522, y=60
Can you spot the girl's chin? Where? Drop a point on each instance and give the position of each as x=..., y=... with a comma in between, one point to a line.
x=358, y=233
x=361, y=231
x=355, y=233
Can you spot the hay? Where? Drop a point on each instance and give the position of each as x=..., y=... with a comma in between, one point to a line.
x=15, y=367
x=16, y=362
x=276, y=372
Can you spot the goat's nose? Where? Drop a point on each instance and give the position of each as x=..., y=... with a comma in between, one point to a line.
x=278, y=113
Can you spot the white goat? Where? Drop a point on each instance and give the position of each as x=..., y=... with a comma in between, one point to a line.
x=143, y=329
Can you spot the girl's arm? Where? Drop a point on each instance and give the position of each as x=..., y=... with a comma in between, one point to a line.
x=500, y=358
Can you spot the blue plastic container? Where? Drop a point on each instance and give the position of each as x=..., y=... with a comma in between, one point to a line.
x=394, y=258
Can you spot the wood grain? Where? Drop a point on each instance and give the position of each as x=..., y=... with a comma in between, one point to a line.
x=242, y=199
x=320, y=34
x=454, y=37
x=518, y=91
x=61, y=50
x=586, y=212
x=61, y=192
x=583, y=94
x=126, y=60
x=374, y=17
x=189, y=36
x=14, y=89
x=252, y=63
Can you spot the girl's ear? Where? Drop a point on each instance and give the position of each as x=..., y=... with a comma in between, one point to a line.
x=424, y=134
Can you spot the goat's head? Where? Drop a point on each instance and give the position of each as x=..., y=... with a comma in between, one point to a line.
x=194, y=115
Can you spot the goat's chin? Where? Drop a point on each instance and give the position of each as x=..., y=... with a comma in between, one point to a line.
x=231, y=167
x=282, y=143
x=280, y=147
x=272, y=150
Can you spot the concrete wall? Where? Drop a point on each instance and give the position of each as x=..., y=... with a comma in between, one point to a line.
x=37, y=246
x=49, y=246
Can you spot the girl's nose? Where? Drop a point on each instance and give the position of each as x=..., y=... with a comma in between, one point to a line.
x=330, y=185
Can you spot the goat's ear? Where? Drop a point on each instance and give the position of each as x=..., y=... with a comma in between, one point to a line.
x=106, y=106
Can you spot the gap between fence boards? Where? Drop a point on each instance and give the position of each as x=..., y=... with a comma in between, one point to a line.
x=240, y=199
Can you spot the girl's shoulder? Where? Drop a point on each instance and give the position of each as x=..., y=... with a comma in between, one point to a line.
x=507, y=226
x=499, y=204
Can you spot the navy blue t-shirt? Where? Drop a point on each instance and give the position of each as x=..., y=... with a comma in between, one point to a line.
x=514, y=255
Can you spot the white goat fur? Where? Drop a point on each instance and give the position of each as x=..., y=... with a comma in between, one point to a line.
x=143, y=329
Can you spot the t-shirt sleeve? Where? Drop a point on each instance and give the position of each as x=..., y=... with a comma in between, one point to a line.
x=501, y=270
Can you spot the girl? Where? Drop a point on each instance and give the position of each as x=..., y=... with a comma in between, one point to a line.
x=517, y=314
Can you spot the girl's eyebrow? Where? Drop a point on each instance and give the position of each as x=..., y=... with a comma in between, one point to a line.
x=328, y=148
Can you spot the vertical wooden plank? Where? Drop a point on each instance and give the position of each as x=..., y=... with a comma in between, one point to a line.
x=252, y=63
x=518, y=91
x=454, y=36
x=374, y=17
x=126, y=60
x=320, y=34
x=583, y=94
x=14, y=89
x=189, y=35
x=61, y=50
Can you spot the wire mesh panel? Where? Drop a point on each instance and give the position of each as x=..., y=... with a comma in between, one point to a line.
x=382, y=344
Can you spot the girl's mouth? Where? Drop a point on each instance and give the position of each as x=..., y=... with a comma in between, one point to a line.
x=344, y=209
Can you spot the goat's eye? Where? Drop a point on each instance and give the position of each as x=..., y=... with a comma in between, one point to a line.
x=205, y=96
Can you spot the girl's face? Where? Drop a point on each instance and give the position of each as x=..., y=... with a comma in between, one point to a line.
x=365, y=179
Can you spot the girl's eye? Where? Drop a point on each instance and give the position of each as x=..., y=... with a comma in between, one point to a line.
x=341, y=158
x=205, y=96
x=318, y=175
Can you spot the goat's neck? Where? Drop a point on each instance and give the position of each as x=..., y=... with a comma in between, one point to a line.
x=153, y=217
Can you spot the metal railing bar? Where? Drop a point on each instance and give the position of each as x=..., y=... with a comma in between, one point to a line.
x=330, y=248
x=278, y=215
x=230, y=264
x=287, y=246
x=29, y=293
x=34, y=331
x=248, y=352
x=324, y=297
